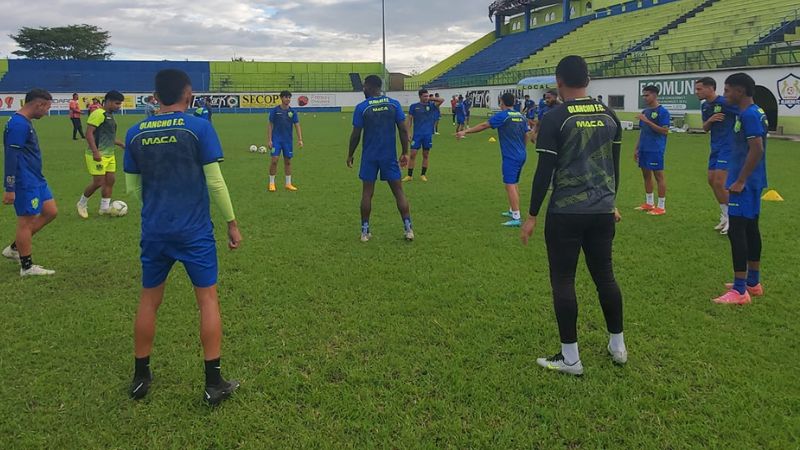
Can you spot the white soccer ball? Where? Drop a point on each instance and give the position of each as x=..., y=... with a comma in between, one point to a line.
x=119, y=208
x=262, y=149
x=253, y=148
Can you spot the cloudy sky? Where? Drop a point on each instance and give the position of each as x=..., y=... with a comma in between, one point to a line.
x=419, y=32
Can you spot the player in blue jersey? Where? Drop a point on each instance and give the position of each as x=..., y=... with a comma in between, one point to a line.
x=172, y=164
x=530, y=111
x=422, y=117
x=719, y=119
x=25, y=185
x=379, y=118
x=514, y=133
x=461, y=114
x=747, y=177
x=203, y=109
x=549, y=101
x=649, y=153
x=282, y=119
x=437, y=108
x=467, y=109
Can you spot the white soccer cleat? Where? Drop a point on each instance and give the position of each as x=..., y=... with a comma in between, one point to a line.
x=724, y=230
x=409, y=235
x=83, y=210
x=618, y=357
x=105, y=212
x=35, y=271
x=365, y=237
x=557, y=363
x=11, y=254
x=723, y=223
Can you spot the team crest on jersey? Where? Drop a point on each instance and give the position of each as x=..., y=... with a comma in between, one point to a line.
x=35, y=203
x=737, y=127
x=653, y=114
x=291, y=114
x=789, y=91
x=717, y=109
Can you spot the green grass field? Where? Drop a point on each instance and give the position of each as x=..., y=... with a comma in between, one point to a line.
x=428, y=344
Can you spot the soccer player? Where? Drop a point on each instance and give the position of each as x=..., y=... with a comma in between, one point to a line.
x=650, y=149
x=461, y=114
x=453, y=104
x=282, y=119
x=579, y=150
x=377, y=117
x=422, y=119
x=172, y=165
x=518, y=105
x=513, y=131
x=94, y=106
x=75, y=116
x=25, y=185
x=718, y=118
x=150, y=106
x=101, y=161
x=467, y=102
x=203, y=109
x=437, y=109
x=530, y=111
x=747, y=177
x=549, y=101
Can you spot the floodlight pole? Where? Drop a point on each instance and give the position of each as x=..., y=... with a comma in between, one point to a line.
x=383, y=31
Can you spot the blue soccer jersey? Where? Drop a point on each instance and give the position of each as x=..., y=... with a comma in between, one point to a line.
x=649, y=140
x=518, y=106
x=424, y=115
x=511, y=129
x=378, y=117
x=169, y=151
x=467, y=106
x=283, y=121
x=750, y=124
x=23, y=158
x=722, y=134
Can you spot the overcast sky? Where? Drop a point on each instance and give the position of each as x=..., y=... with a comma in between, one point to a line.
x=420, y=33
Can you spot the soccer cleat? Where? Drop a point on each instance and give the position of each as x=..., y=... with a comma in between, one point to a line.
x=733, y=297
x=423, y=178
x=83, y=210
x=290, y=187
x=512, y=223
x=35, y=271
x=507, y=214
x=407, y=178
x=365, y=237
x=657, y=212
x=214, y=395
x=436, y=133
x=645, y=207
x=139, y=387
x=754, y=291
x=271, y=187
x=618, y=357
x=723, y=223
x=104, y=212
x=557, y=363
x=409, y=235
x=724, y=230
x=11, y=254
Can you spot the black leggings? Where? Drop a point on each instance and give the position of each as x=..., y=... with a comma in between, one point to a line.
x=745, y=240
x=76, y=127
x=566, y=235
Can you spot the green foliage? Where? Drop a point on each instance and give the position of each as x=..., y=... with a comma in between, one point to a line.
x=70, y=42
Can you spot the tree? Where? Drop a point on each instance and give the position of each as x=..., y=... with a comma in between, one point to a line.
x=70, y=42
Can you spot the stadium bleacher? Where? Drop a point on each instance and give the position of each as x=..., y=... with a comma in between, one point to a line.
x=453, y=60
x=244, y=76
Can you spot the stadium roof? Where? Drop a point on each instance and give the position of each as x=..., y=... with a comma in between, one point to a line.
x=511, y=7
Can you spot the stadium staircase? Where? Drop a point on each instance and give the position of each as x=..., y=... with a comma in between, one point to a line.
x=505, y=52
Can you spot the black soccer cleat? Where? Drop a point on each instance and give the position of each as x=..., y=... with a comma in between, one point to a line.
x=140, y=386
x=215, y=395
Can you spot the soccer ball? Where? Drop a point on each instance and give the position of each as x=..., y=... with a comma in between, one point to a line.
x=262, y=149
x=253, y=148
x=119, y=208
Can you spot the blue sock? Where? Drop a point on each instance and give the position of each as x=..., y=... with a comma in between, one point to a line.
x=753, y=277
x=407, y=223
x=739, y=285
x=365, y=226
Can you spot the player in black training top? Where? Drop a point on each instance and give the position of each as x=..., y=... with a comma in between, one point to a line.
x=579, y=146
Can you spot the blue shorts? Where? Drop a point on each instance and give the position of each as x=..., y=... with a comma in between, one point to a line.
x=718, y=160
x=460, y=120
x=651, y=160
x=199, y=258
x=389, y=170
x=422, y=140
x=745, y=204
x=512, y=168
x=286, y=147
x=29, y=201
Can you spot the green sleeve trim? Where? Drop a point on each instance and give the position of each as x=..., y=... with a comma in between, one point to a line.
x=218, y=190
x=133, y=183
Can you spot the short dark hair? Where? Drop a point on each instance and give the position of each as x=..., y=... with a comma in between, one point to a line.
x=436, y=94
x=651, y=88
x=552, y=92
x=170, y=84
x=373, y=81
x=285, y=94
x=422, y=91
x=114, y=96
x=707, y=81
x=508, y=99
x=572, y=70
x=527, y=96
x=38, y=94
x=742, y=80
x=74, y=94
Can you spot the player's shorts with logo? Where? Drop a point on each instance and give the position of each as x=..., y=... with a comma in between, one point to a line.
x=718, y=160
x=389, y=170
x=745, y=204
x=198, y=256
x=28, y=201
x=287, y=148
x=424, y=141
x=651, y=160
x=107, y=164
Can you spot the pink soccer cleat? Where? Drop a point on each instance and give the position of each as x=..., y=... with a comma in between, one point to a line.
x=732, y=297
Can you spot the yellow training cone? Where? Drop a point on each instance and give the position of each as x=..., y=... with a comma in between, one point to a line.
x=772, y=196
x=492, y=139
